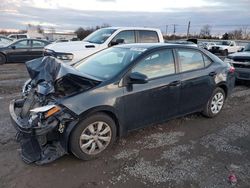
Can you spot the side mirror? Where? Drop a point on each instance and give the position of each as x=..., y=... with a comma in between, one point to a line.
x=118, y=41
x=13, y=47
x=137, y=78
x=241, y=50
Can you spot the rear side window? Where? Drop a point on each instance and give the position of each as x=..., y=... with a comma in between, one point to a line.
x=190, y=60
x=147, y=37
x=127, y=36
x=157, y=64
x=207, y=61
x=38, y=44
x=21, y=36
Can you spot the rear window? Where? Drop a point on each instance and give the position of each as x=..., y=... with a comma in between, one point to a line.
x=21, y=36
x=147, y=37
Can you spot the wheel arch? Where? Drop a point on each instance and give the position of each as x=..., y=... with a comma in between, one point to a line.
x=5, y=55
x=110, y=111
x=224, y=87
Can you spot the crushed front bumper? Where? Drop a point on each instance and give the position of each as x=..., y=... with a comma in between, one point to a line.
x=39, y=145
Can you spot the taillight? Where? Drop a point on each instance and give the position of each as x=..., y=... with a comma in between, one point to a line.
x=231, y=69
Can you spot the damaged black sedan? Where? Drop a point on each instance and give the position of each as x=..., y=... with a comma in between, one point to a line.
x=82, y=109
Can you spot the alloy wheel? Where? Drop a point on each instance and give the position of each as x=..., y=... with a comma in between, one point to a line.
x=217, y=103
x=95, y=138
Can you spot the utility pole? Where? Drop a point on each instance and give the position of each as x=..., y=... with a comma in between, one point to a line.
x=166, y=29
x=174, y=30
x=188, y=29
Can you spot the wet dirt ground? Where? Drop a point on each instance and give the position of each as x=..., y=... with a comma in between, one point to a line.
x=192, y=151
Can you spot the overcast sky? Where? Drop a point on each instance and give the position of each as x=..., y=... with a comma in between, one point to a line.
x=222, y=15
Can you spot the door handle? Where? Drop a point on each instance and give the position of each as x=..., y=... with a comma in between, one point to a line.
x=212, y=74
x=175, y=83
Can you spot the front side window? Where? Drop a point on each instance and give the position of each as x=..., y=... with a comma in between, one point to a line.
x=127, y=36
x=22, y=44
x=148, y=37
x=99, y=36
x=157, y=64
x=108, y=63
x=190, y=60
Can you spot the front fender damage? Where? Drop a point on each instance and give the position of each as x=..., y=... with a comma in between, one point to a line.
x=42, y=140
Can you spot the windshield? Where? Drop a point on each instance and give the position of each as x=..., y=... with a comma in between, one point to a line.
x=108, y=63
x=5, y=41
x=224, y=43
x=99, y=36
x=247, y=48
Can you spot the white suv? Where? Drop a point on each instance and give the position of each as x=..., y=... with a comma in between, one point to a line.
x=102, y=39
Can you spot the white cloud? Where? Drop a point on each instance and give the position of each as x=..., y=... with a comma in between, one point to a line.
x=121, y=5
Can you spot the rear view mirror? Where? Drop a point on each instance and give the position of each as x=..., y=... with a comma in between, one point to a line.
x=118, y=41
x=13, y=47
x=137, y=78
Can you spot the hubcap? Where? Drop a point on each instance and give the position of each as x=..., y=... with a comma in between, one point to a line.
x=217, y=103
x=95, y=138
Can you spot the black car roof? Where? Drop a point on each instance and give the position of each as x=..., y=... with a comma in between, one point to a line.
x=150, y=46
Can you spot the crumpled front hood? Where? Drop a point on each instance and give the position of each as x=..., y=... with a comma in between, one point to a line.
x=50, y=69
x=70, y=47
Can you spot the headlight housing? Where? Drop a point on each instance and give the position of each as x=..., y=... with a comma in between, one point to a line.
x=64, y=56
x=47, y=110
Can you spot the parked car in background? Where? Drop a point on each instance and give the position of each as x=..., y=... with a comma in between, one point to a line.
x=241, y=62
x=61, y=40
x=183, y=42
x=4, y=40
x=102, y=39
x=18, y=36
x=84, y=108
x=22, y=50
x=207, y=45
x=226, y=47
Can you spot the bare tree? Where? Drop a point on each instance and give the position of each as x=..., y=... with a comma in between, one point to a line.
x=236, y=34
x=206, y=31
x=39, y=29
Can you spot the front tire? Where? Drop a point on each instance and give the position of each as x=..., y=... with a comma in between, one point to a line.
x=93, y=136
x=215, y=103
x=2, y=59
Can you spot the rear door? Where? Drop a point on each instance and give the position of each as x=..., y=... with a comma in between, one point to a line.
x=19, y=51
x=37, y=48
x=197, y=83
x=158, y=99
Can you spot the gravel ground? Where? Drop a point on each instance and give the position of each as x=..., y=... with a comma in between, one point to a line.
x=192, y=151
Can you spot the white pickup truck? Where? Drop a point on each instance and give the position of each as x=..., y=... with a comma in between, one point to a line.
x=101, y=39
x=226, y=47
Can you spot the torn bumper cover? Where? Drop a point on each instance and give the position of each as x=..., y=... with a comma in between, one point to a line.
x=43, y=143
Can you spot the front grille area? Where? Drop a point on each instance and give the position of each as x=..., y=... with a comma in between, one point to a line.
x=241, y=65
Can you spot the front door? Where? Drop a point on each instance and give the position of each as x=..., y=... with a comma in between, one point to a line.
x=156, y=100
x=19, y=51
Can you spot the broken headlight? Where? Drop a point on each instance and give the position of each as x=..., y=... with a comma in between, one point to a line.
x=47, y=110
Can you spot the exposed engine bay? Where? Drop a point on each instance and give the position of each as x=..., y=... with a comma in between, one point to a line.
x=42, y=122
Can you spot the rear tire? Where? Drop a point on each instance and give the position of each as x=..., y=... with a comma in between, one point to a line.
x=215, y=103
x=93, y=136
x=2, y=59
